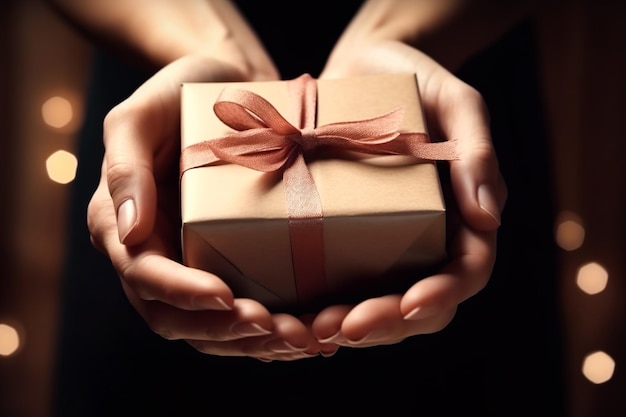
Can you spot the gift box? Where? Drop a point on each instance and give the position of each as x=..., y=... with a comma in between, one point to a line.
x=363, y=213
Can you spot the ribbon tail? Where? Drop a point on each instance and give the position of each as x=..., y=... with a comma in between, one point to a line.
x=418, y=145
x=195, y=156
x=439, y=151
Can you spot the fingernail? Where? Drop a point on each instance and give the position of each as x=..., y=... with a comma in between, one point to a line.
x=249, y=330
x=282, y=346
x=420, y=312
x=365, y=338
x=210, y=302
x=305, y=355
x=337, y=337
x=126, y=219
x=328, y=354
x=488, y=203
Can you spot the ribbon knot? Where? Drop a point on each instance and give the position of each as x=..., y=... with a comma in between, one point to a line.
x=265, y=141
x=307, y=139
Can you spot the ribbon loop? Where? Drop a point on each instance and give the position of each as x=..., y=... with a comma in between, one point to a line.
x=243, y=110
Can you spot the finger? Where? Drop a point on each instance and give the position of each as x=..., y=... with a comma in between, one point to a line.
x=148, y=269
x=479, y=189
x=290, y=340
x=472, y=258
x=327, y=324
x=379, y=321
x=326, y=349
x=247, y=319
x=455, y=110
x=152, y=275
x=155, y=277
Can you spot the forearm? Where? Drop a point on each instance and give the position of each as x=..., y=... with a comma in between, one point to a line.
x=449, y=31
x=153, y=33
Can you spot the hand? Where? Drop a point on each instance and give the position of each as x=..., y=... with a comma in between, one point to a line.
x=453, y=109
x=133, y=217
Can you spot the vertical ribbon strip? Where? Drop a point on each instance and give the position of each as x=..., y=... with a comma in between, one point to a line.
x=265, y=141
x=304, y=205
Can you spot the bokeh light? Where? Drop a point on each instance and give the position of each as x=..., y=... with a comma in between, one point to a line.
x=592, y=278
x=9, y=340
x=570, y=233
x=57, y=112
x=598, y=367
x=61, y=166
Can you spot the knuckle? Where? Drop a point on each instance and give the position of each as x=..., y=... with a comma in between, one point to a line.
x=97, y=216
x=117, y=172
x=442, y=321
x=468, y=94
x=162, y=330
x=129, y=268
x=118, y=116
x=205, y=347
x=100, y=222
x=131, y=115
x=459, y=93
x=159, y=324
x=211, y=348
x=483, y=152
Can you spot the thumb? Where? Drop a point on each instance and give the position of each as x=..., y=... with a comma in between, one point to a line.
x=478, y=185
x=142, y=132
x=130, y=179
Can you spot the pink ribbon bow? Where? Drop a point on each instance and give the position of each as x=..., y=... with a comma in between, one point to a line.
x=265, y=141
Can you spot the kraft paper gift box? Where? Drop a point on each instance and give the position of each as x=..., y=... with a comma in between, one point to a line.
x=383, y=217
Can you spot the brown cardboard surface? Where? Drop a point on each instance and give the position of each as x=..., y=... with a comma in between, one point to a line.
x=381, y=214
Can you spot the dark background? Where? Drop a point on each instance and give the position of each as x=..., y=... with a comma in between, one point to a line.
x=575, y=121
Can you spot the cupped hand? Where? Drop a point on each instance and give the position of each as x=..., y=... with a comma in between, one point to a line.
x=134, y=218
x=454, y=110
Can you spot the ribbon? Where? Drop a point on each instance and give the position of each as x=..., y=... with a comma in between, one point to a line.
x=265, y=141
